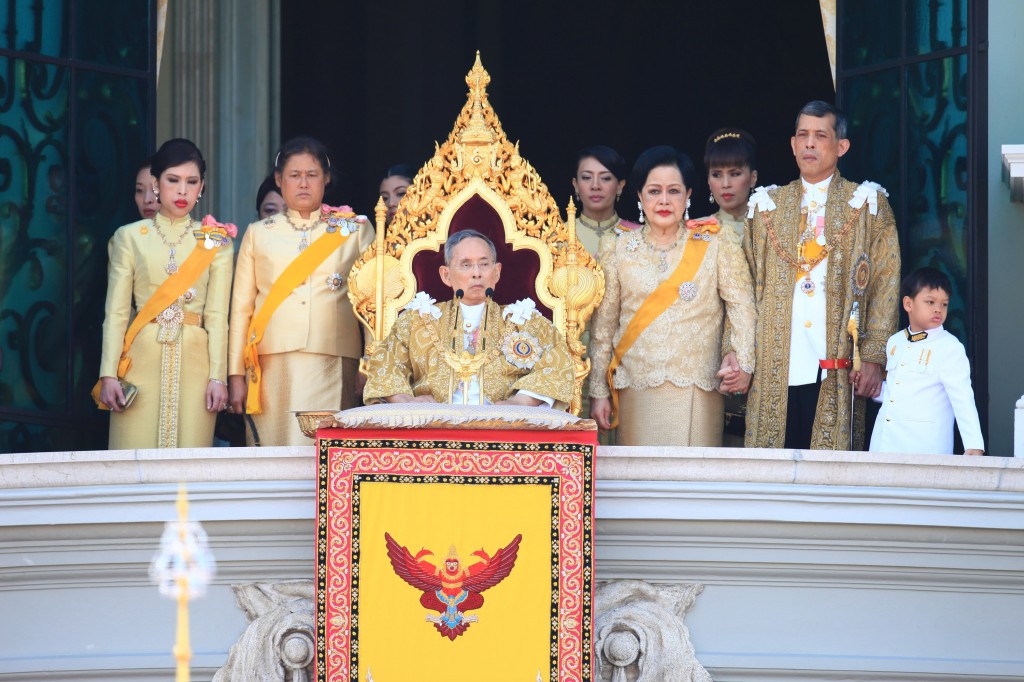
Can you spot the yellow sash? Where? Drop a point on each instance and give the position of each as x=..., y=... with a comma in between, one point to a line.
x=654, y=305
x=296, y=272
x=167, y=293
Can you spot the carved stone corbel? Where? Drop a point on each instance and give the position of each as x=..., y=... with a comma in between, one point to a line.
x=280, y=643
x=639, y=634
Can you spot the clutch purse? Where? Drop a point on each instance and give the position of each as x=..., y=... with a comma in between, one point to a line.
x=130, y=391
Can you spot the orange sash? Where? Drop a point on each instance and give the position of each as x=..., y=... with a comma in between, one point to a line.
x=296, y=273
x=658, y=302
x=167, y=293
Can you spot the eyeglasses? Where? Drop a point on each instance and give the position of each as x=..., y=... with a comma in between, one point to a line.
x=468, y=266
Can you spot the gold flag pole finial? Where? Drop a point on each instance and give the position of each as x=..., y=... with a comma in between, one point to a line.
x=182, y=569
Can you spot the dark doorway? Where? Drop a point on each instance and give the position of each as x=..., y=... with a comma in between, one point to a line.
x=380, y=82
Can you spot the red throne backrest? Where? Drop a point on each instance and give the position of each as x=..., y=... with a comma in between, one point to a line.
x=518, y=268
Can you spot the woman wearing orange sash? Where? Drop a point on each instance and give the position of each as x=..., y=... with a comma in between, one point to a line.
x=656, y=338
x=295, y=342
x=174, y=354
x=598, y=184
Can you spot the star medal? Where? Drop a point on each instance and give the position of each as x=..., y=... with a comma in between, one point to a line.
x=807, y=286
x=522, y=350
x=688, y=291
x=334, y=281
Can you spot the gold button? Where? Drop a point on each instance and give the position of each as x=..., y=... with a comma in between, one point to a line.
x=888, y=419
x=302, y=302
x=892, y=400
x=903, y=364
x=807, y=324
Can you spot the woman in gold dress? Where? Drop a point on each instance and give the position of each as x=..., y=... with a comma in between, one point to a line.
x=295, y=341
x=178, y=360
x=598, y=184
x=658, y=330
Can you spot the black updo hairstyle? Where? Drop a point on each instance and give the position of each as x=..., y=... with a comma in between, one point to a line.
x=730, y=148
x=266, y=187
x=303, y=145
x=402, y=170
x=146, y=163
x=606, y=156
x=176, y=152
x=662, y=155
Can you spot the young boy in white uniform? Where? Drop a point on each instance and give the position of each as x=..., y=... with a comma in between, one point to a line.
x=928, y=377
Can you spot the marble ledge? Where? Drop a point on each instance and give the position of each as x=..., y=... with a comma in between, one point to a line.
x=621, y=463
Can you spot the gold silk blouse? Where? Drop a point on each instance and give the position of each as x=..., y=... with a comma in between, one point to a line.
x=138, y=261
x=683, y=344
x=317, y=316
x=592, y=232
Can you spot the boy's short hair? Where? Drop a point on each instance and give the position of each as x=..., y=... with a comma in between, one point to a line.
x=925, y=278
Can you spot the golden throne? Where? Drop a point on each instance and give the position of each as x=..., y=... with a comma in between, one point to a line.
x=478, y=180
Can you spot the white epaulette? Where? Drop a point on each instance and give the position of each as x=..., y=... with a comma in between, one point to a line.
x=760, y=201
x=867, y=191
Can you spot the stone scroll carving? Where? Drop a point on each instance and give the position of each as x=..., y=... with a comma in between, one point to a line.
x=639, y=634
x=280, y=643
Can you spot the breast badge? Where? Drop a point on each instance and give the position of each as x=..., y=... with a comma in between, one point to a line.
x=522, y=350
x=452, y=588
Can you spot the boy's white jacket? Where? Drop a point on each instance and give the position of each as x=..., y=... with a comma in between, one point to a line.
x=928, y=384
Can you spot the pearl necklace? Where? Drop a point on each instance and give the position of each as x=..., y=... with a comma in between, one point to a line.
x=304, y=242
x=172, y=265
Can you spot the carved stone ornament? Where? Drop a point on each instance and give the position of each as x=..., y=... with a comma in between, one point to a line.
x=478, y=159
x=639, y=634
x=279, y=645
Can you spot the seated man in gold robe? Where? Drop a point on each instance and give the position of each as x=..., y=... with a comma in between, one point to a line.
x=528, y=361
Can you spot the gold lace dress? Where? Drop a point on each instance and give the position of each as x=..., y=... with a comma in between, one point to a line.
x=666, y=380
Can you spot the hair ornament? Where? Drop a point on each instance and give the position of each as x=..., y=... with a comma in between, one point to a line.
x=725, y=135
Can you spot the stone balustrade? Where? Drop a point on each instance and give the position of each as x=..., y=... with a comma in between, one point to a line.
x=741, y=565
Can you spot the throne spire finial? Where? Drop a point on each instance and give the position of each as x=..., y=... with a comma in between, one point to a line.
x=477, y=131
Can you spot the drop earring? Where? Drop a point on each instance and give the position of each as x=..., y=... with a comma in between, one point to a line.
x=711, y=197
x=686, y=213
x=200, y=196
x=641, y=207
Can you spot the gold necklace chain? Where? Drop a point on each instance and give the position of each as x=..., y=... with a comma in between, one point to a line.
x=172, y=265
x=802, y=264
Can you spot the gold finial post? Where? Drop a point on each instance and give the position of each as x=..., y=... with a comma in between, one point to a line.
x=380, y=212
x=182, y=569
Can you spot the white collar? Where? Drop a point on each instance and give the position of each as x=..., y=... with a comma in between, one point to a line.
x=817, y=186
x=471, y=315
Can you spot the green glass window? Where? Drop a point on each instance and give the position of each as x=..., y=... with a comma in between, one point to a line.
x=74, y=124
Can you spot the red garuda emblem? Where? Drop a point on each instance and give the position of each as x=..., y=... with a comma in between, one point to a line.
x=452, y=588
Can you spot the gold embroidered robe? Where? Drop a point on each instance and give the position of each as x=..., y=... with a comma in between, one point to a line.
x=872, y=236
x=410, y=359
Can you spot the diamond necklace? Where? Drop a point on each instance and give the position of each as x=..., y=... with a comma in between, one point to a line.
x=304, y=242
x=661, y=251
x=172, y=265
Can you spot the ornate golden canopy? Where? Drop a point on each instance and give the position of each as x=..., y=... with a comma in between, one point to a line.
x=476, y=164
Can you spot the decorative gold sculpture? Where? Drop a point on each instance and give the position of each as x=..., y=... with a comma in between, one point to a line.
x=477, y=159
